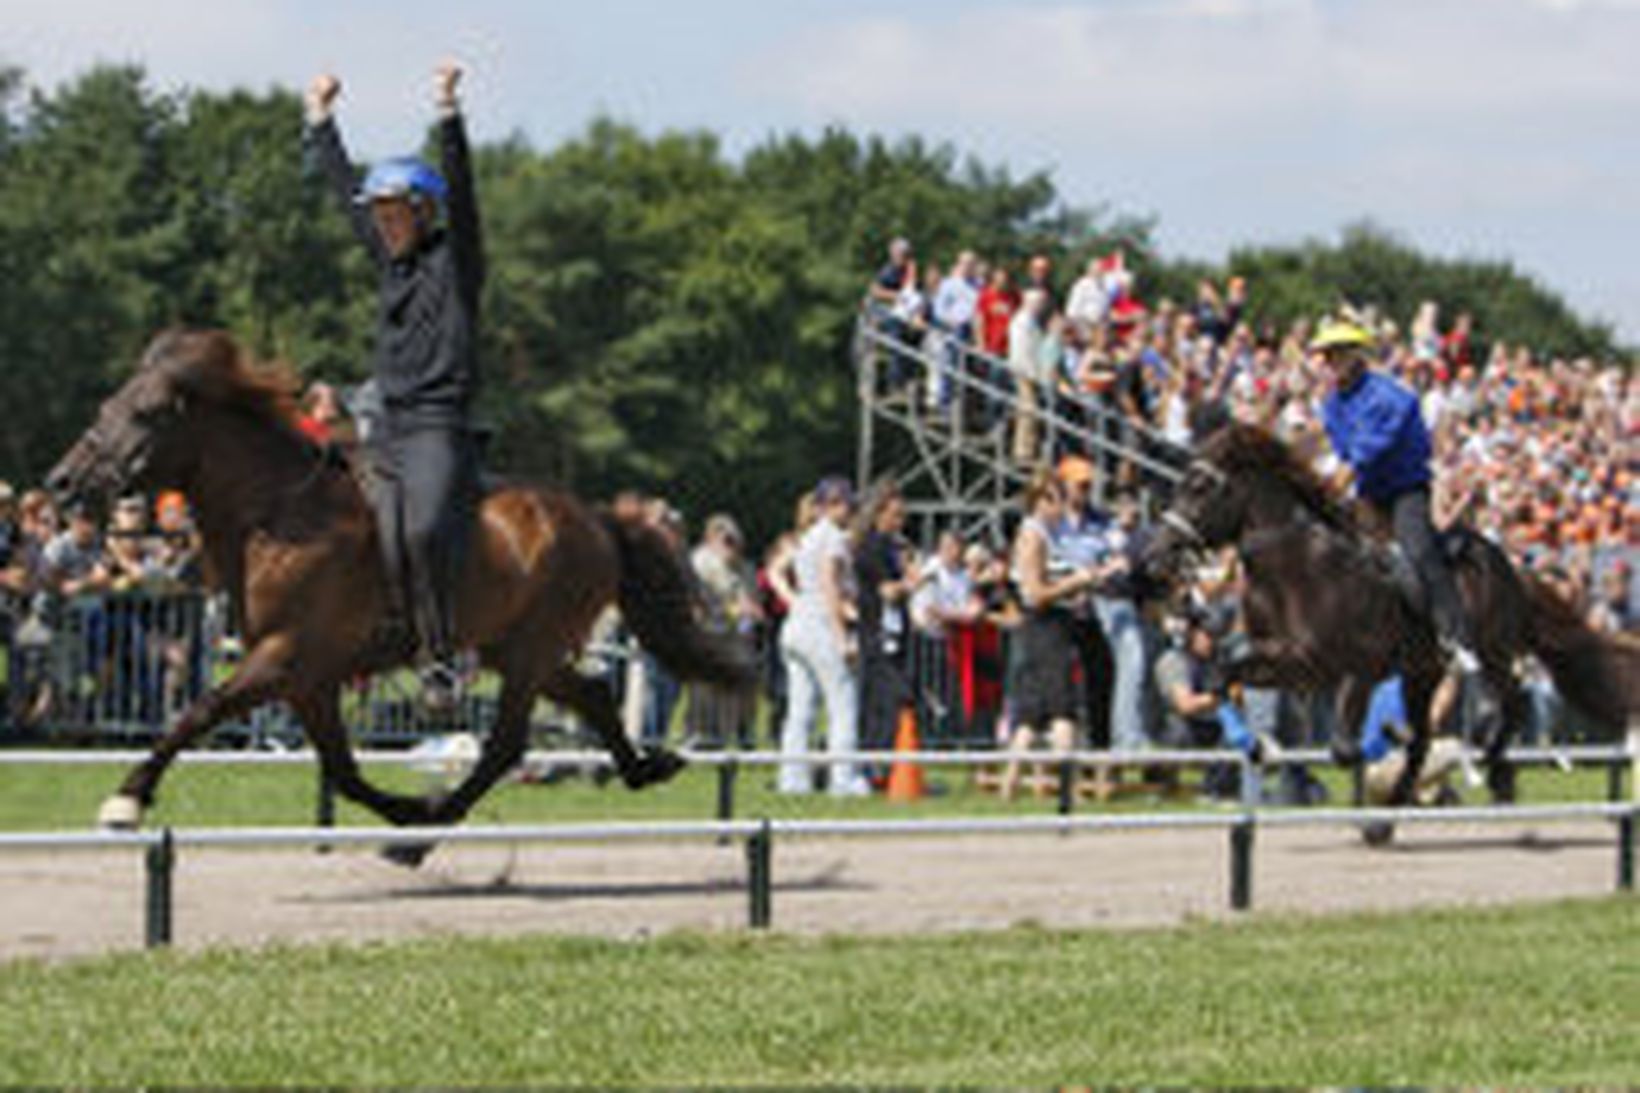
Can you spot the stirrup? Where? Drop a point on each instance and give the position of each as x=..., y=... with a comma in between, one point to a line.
x=1463, y=660
x=440, y=684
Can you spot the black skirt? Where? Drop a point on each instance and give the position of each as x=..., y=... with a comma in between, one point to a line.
x=1043, y=690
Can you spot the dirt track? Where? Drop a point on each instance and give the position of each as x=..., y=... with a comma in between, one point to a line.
x=60, y=904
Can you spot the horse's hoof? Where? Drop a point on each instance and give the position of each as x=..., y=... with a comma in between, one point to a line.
x=121, y=812
x=409, y=855
x=1378, y=833
x=657, y=765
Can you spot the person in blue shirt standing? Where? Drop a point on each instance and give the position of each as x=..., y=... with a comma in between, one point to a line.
x=1378, y=432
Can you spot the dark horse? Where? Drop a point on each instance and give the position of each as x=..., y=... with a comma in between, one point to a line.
x=1326, y=609
x=289, y=536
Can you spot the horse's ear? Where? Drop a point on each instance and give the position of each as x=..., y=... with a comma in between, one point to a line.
x=198, y=370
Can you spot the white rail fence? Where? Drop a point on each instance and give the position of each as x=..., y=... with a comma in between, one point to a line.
x=161, y=846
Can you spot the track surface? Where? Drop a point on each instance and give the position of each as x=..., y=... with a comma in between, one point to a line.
x=73, y=903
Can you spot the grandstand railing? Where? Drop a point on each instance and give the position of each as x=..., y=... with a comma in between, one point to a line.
x=962, y=473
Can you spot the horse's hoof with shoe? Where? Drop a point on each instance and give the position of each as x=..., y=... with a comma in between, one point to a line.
x=654, y=766
x=1378, y=833
x=409, y=855
x=121, y=812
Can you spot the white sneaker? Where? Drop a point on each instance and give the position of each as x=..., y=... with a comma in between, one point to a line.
x=1465, y=660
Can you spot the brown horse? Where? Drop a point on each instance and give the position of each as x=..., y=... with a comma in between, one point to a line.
x=1327, y=611
x=289, y=536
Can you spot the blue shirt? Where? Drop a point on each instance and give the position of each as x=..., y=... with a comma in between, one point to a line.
x=955, y=303
x=1084, y=538
x=1376, y=428
x=1387, y=709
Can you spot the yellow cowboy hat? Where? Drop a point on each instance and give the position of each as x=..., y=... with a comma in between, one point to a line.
x=1341, y=334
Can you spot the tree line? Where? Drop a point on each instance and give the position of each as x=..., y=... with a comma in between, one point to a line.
x=658, y=315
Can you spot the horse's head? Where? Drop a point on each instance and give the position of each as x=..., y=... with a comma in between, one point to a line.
x=1208, y=509
x=141, y=438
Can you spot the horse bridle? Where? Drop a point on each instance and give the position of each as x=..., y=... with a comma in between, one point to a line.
x=1182, y=524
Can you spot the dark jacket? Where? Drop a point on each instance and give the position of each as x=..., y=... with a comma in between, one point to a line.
x=1377, y=428
x=426, y=359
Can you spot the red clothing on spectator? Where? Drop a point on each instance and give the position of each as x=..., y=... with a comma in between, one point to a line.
x=1455, y=350
x=998, y=310
x=314, y=429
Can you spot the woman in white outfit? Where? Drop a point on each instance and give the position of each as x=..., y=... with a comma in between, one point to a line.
x=818, y=648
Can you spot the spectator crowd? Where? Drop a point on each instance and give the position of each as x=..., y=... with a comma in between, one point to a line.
x=1047, y=635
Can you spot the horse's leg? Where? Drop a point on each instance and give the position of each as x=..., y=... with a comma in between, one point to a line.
x=503, y=750
x=1419, y=692
x=321, y=717
x=264, y=670
x=1350, y=702
x=593, y=700
x=1500, y=772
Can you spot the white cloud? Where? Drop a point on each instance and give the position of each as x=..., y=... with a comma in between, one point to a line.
x=1176, y=66
x=1472, y=124
x=385, y=55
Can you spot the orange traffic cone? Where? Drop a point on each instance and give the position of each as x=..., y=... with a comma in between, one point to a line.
x=905, y=780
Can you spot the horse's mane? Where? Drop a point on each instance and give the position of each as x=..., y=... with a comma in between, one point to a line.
x=1237, y=448
x=212, y=363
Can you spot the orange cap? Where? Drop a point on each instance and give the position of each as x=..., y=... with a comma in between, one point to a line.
x=1075, y=470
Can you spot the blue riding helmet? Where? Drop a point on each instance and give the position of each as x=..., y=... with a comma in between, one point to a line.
x=403, y=177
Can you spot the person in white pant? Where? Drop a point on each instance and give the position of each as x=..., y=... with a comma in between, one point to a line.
x=817, y=647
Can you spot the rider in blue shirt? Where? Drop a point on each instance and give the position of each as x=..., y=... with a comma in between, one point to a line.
x=1377, y=430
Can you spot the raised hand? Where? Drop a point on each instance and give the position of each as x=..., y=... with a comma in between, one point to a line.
x=445, y=78
x=321, y=96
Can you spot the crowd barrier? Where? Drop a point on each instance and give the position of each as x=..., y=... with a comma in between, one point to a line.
x=124, y=666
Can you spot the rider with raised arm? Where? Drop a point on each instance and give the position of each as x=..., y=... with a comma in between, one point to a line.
x=431, y=272
x=1378, y=432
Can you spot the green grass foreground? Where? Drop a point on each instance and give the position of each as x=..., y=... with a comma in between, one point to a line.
x=1545, y=995
x=53, y=798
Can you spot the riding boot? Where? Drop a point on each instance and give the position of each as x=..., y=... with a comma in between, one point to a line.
x=439, y=671
x=440, y=678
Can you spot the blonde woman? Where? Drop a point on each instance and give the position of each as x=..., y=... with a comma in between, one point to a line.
x=1042, y=693
x=817, y=646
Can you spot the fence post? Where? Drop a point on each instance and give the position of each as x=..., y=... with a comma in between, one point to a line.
x=1241, y=864
x=1252, y=781
x=161, y=863
x=726, y=795
x=1625, y=851
x=1614, y=780
x=759, y=867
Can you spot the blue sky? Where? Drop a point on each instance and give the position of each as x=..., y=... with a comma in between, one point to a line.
x=1489, y=128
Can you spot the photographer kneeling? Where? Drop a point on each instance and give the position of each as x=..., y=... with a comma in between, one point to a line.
x=1198, y=712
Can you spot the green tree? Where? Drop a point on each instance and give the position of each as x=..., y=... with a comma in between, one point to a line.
x=83, y=187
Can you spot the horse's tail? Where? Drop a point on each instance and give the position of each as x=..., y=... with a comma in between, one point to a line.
x=657, y=601
x=1595, y=672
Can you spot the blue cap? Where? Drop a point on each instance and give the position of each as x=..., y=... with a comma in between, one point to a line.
x=403, y=177
x=833, y=488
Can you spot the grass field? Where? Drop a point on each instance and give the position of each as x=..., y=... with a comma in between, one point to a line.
x=34, y=798
x=1545, y=995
